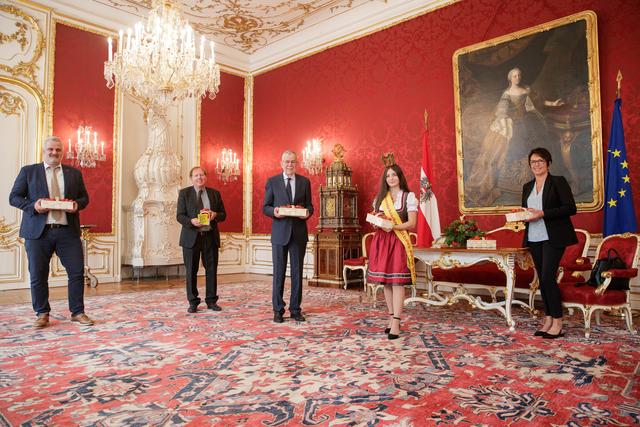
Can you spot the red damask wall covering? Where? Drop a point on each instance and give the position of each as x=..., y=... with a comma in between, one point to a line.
x=369, y=95
x=81, y=98
x=222, y=125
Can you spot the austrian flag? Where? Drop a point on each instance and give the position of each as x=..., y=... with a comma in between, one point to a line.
x=429, y=218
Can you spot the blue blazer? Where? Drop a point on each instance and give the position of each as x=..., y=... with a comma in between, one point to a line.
x=31, y=185
x=285, y=229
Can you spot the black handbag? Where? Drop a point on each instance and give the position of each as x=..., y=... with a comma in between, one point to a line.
x=608, y=263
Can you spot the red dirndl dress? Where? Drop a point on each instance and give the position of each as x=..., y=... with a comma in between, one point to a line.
x=387, y=256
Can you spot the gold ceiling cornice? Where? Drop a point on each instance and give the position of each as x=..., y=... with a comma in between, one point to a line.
x=247, y=25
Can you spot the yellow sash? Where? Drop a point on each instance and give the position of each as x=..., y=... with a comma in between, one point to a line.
x=390, y=211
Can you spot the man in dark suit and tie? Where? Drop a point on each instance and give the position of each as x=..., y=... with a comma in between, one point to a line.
x=47, y=231
x=199, y=239
x=288, y=234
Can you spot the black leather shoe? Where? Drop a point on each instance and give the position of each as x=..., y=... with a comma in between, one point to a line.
x=192, y=309
x=298, y=317
x=277, y=317
x=539, y=333
x=214, y=307
x=553, y=336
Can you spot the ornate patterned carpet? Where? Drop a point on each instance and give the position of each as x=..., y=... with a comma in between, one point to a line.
x=148, y=362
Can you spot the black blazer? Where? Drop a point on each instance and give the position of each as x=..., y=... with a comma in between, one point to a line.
x=188, y=208
x=284, y=229
x=31, y=185
x=558, y=205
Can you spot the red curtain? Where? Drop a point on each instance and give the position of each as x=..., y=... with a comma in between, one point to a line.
x=222, y=126
x=81, y=98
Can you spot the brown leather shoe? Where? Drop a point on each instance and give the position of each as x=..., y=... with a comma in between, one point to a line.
x=42, y=320
x=83, y=319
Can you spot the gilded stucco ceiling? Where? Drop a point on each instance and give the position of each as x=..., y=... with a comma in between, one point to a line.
x=249, y=25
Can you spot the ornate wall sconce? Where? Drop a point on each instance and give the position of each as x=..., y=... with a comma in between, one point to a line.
x=312, y=156
x=228, y=165
x=86, y=151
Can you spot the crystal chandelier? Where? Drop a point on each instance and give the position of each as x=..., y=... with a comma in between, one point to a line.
x=86, y=152
x=228, y=165
x=312, y=156
x=159, y=60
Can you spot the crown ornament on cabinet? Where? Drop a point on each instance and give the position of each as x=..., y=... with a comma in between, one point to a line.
x=388, y=159
x=338, y=174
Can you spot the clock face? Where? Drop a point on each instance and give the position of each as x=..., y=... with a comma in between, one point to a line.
x=331, y=207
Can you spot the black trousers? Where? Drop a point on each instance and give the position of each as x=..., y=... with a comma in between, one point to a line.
x=68, y=246
x=279, y=254
x=547, y=260
x=206, y=248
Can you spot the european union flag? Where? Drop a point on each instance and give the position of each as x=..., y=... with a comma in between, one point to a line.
x=619, y=214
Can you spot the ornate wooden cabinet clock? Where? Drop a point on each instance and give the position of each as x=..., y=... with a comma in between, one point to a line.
x=338, y=236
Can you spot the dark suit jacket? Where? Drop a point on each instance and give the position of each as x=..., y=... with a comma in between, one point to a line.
x=558, y=205
x=188, y=209
x=284, y=229
x=31, y=185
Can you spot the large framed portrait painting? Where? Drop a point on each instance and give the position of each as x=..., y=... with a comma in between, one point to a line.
x=538, y=87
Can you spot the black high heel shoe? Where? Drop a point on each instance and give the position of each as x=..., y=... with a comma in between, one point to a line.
x=387, y=330
x=553, y=336
x=539, y=333
x=393, y=336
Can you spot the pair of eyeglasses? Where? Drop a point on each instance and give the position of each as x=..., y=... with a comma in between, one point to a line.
x=537, y=162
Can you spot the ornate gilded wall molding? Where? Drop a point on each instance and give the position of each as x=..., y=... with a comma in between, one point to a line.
x=10, y=104
x=39, y=99
x=20, y=36
x=247, y=155
x=5, y=232
x=24, y=24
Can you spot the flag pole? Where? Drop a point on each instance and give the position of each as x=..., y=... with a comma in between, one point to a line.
x=618, y=79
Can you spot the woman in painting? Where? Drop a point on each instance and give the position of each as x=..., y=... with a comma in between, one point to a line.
x=517, y=127
x=391, y=255
x=549, y=231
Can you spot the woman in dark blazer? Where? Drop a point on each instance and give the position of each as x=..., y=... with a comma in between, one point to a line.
x=549, y=231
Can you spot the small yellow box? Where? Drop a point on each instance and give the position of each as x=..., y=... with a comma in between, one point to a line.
x=203, y=218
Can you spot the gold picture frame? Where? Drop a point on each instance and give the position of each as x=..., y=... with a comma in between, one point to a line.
x=537, y=87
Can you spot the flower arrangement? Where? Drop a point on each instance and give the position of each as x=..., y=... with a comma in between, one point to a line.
x=459, y=231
